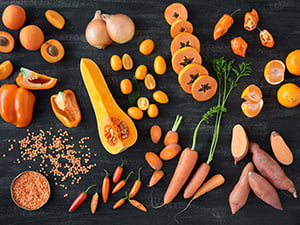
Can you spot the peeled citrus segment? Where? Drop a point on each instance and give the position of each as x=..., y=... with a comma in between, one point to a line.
x=251, y=109
x=252, y=93
x=274, y=72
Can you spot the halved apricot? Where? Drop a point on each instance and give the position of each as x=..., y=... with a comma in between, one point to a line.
x=6, y=69
x=52, y=51
x=204, y=88
x=274, y=71
x=34, y=81
x=174, y=12
x=185, y=56
x=184, y=39
x=55, y=19
x=189, y=74
x=180, y=26
x=7, y=42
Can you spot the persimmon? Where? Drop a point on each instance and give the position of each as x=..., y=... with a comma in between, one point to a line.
x=52, y=51
x=293, y=62
x=31, y=37
x=7, y=42
x=184, y=39
x=185, y=56
x=174, y=12
x=288, y=95
x=189, y=74
x=274, y=71
x=55, y=19
x=6, y=69
x=180, y=26
x=204, y=88
x=254, y=102
x=13, y=17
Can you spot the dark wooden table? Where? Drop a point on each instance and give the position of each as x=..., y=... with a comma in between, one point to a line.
x=282, y=18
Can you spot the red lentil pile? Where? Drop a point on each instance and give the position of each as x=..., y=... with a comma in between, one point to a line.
x=55, y=153
x=30, y=190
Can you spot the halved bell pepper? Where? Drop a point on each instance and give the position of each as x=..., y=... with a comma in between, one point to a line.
x=34, y=81
x=65, y=108
x=16, y=104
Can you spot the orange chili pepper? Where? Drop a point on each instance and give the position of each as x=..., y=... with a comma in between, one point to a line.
x=105, y=186
x=251, y=20
x=118, y=172
x=266, y=38
x=16, y=104
x=138, y=205
x=119, y=203
x=121, y=184
x=239, y=46
x=34, y=81
x=136, y=186
x=94, y=202
x=65, y=108
x=224, y=23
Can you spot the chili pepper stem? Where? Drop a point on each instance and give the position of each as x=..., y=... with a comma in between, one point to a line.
x=106, y=173
x=235, y=12
x=126, y=179
x=87, y=190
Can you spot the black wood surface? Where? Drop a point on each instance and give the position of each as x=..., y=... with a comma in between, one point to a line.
x=282, y=18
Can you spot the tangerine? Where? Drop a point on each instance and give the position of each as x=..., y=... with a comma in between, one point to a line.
x=288, y=95
x=293, y=62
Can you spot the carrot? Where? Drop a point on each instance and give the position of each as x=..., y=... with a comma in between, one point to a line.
x=170, y=151
x=204, y=88
x=172, y=135
x=214, y=182
x=239, y=143
x=155, y=133
x=264, y=190
x=156, y=177
x=153, y=160
x=271, y=170
x=180, y=26
x=239, y=195
x=184, y=39
x=280, y=149
x=197, y=179
x=174, y=12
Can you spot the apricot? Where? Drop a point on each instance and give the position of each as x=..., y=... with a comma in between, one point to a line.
x=31, y=37
x=13, y=17
x=52, y=51
x=7, y=42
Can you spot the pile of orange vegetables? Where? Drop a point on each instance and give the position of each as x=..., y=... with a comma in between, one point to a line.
x=21, y=100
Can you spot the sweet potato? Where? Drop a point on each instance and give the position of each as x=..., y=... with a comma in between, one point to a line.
x=271, y=170
x=239, y=195
x=264, y=190
x=239, y=143
x=280, y=149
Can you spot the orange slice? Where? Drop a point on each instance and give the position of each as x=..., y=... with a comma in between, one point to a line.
x=252, y=93
x=274, y=72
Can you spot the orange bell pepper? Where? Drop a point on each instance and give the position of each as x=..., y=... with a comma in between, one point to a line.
x=251, y=20
x=65, y=108
x=16, y=104
x=34, y=81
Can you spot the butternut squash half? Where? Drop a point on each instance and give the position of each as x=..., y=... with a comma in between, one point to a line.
x=116, y=130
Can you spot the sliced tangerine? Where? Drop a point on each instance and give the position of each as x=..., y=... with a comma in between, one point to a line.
x=251, y=109
x=252, y=93
x=143, y=103
x=274, y=72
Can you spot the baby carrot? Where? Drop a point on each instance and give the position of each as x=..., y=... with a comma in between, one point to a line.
x=172, y=135
x=136, y=186
x=118, y=172
x=155, y=133
x=121, y=184
x=105, y=186
x=94, y=202
x=156, y=176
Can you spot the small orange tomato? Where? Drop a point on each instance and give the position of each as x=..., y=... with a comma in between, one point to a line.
x=160, y=65
x=135, y=113
x=140, y=72
x=146, y=46
x=143, y=103
x=160, y=97
x=126, y=86
x=150, y=82
x=152, y=111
